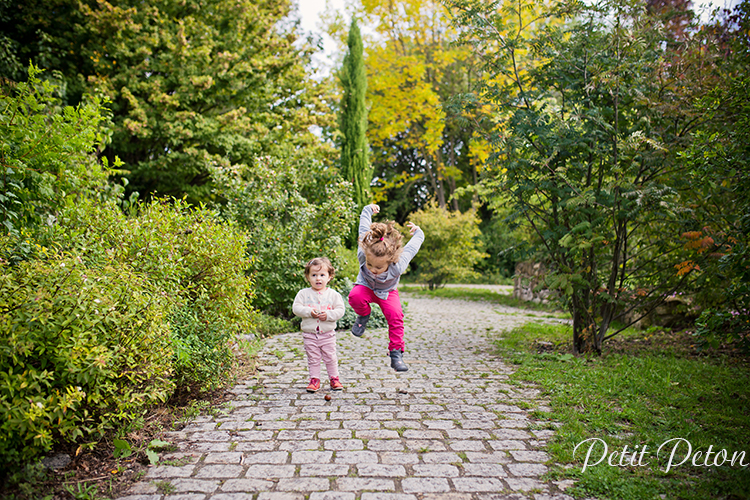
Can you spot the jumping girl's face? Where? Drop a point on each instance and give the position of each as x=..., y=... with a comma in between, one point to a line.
x=318, y=278
x=376, y=265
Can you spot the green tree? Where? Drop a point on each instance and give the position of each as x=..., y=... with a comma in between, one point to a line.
x=47, y=153
x=452, y=245
x=192, y=84
x=580, y=151
x=718, y=226
x=355, y=152
x=418, y=150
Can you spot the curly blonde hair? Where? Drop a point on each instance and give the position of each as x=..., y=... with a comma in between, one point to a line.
x=382, y=240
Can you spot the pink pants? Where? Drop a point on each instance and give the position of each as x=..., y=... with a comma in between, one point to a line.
x=321, y=346
x=360, y=298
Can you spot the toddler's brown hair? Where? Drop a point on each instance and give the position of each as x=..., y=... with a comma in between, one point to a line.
x=320, y=262
x=382, y=240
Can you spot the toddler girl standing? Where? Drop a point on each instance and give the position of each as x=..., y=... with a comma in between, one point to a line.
x=320, y=307
x=382, y=261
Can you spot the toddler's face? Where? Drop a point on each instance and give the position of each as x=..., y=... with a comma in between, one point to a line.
x=376, y=265
x=318, y=278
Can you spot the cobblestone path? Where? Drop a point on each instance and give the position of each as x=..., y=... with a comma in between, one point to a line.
x=451, y=428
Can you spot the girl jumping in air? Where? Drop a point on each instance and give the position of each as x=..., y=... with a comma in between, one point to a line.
x=382, y=261
x=320, y=307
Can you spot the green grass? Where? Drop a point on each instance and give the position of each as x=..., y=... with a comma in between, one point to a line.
x=646, y=389
x=478, y=294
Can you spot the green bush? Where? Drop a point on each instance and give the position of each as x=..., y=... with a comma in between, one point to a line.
x=84, y=349
x=191, y=256
x=291, y=218
x=451, y=247
x=47, y=153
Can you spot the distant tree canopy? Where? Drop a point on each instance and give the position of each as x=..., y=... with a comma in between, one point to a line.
x=192, y=84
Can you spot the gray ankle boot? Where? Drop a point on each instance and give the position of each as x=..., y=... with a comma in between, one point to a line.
x=397, y=361
x=360, y=322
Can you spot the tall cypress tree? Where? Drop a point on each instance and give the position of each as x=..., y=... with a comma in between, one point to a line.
x=355, y=152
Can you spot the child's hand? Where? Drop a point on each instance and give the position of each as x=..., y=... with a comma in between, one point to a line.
x=314, y=313
x=322, y=316
x=375, y=208
x=412, y=228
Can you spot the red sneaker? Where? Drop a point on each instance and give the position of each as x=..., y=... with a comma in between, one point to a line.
x=336, y=384
x=314, y=385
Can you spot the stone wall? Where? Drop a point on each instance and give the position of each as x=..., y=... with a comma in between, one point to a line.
x=528, y=276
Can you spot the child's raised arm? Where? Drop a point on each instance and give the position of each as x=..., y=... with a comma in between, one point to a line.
x=365, y=218
x=411, y=248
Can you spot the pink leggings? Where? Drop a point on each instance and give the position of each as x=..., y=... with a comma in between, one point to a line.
x=321, y=346
x=360, y=298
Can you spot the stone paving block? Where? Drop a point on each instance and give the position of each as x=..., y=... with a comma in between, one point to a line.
x=558, y=496
x=478, y=484
x=222, y=471
x=387, y=496
x=447, y=496
x=507, y=444
x=332, y=495
x=398, y=458
x=255, y=446
x=402, y=424
x=385, y=445
x=183, y=485
x=246, y=485
x=280, y=495
x=424, y=445
x=364, y=483
x=485, y=470
x=142, y=488
x=303, y=484
x=361, y=424
x=168, y=471
x=271, y=457
x=467, y=445
x=381, y=470
x=467, y=434
x=408, y=415
x=478, y=424
x=335, y=434
x=414, y=434
x=356, y=457
x=311, y=457
x=525, y=484
x=296, y=435
x=425, y=485
x=343, y=444
x=186, y=496
x=140, y=497
x=319, y=425
x=227, y=457
x=376, y=434
x=261, y=471
x=439, y=424
x=435, y=470
x=527, y=469
x=324, y=470
x=530, y=456
x=300, y=445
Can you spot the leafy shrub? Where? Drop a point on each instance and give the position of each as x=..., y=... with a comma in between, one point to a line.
x=191, y=256
x=451, y=247
x=286, y=228
x=84, y=349
x=46, y=152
